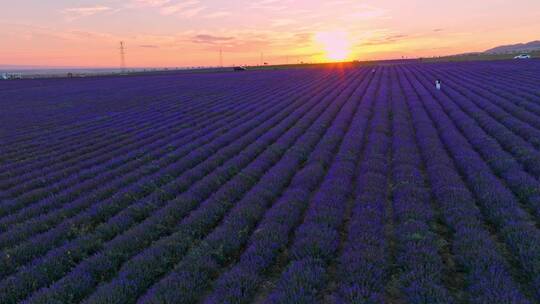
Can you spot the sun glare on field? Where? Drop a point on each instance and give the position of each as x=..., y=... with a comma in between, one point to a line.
x=336, y=45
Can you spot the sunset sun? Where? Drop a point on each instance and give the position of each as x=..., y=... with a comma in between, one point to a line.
x=336, y=45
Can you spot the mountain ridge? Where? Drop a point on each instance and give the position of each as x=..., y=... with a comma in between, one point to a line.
x=515, y=48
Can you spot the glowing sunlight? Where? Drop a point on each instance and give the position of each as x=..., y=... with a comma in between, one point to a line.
x=336, y=45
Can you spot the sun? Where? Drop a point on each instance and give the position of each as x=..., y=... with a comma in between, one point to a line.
x=336, y=45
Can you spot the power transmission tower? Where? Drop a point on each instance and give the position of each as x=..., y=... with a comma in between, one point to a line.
x=221, y=57
x=122, y=56
x=262, y=58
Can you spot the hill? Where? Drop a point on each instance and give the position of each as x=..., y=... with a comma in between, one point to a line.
x=515, y=48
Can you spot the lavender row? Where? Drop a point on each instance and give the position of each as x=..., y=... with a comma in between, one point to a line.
x=524, y=186
x=53, y=145
x=498, y=129
x=508, y=100
x=317, y=239
x=45, y=221
x=497, y=203
x=521, y=94
x=519, y=88
x=138, y=95
x=88, y=180
x=163, y=109
x=35, y=189
x=520, y=149
x=113, y=143
x=195, y=273
x=205, y=187
x=270, y=238
x=487, y=274
x=362, y=265
x=207, y=211
x=147, y=158
x=518, y=120
x=418, y=246
x=105, y=209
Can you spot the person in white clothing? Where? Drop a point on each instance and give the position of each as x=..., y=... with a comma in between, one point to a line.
x=438, y=84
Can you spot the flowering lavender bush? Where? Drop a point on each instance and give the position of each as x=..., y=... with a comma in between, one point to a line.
x=336, y=184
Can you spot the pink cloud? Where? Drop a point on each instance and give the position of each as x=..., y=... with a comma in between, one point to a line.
x=151, y=3
x=217, y=15
x=179, y=7
x=78, y=12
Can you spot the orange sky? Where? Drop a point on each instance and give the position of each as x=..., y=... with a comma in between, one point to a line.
x=191, y=32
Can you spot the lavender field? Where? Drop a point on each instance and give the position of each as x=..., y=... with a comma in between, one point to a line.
x=335, y=184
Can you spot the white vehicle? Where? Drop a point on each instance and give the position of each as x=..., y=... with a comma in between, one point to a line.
x=523, y=56
x=239, y=68
x=4, y=76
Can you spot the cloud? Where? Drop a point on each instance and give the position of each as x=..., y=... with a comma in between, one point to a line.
x=79, y=34
x=268, y=5
x=282, y=22
x=363, y=11
x=149, y=46
x=79, y=12
x=187, y=7
x=150, y=3
x=210, y=39
x=389, y=39
x=188, y=13
x=266, y=1
x=299, y=40
x=217, y=14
